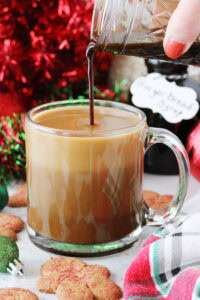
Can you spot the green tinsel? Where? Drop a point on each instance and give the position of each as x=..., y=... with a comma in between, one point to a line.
x=12, y=148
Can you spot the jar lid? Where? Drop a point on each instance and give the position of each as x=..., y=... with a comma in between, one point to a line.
x=165, y=68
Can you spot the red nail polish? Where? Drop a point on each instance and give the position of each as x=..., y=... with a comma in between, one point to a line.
x=174, y=49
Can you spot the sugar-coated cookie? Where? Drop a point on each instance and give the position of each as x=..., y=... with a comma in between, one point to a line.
x=19, y=199
x=97, y=279
x=73, y=288
x=90, y=270
x=55, y=270
x=9, y=233
x=72, y=279
x=155, y=200
x=150, y=197
x=12, y=222
x=164, y=201
x=16, y=294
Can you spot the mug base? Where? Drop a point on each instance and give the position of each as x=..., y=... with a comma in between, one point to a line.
x=56, y=247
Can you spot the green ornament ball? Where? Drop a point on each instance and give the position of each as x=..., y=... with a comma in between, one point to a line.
x=8, y=252
x=3, y=196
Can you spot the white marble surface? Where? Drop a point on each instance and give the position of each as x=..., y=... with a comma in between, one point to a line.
x=33, y=257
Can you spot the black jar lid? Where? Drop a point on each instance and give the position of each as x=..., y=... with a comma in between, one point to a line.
x=165, y=68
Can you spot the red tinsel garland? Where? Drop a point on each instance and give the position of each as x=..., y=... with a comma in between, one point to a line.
x=42, y=44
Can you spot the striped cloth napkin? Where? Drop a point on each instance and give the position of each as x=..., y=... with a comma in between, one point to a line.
x=168, y=264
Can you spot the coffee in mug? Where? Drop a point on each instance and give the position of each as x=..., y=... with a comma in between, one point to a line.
x=85, y=182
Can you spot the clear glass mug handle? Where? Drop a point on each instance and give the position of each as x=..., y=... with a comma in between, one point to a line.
x=158, y=135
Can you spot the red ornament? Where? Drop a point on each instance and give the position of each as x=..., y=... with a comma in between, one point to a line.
x=193, y=149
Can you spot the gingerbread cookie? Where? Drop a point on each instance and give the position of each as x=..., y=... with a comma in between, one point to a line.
x=87, y=284
x=71, y=278
x=12, y=222
x=9, y=233
x=73, y=288
x=19, y=199
x=17, y=293
x=97, y=279
x=56, y=269
x=156, y=201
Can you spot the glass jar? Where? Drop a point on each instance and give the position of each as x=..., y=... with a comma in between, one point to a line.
x=169, y=82
x=136, y=28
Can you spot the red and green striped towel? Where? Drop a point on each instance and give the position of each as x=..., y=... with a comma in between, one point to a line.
x=168, y=264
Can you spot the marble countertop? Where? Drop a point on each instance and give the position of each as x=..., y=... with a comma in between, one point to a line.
x=33, y=257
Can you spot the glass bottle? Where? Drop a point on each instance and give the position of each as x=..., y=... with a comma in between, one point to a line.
x=167, y=81
x=136, y=28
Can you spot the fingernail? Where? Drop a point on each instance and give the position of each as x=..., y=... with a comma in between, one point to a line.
x=174, y=49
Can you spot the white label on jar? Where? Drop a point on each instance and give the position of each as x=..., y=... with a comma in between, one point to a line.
x=173, y=102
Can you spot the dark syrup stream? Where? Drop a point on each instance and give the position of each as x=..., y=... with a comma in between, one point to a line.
x=90, y=57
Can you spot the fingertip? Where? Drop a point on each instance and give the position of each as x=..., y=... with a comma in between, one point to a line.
x=183, y=28
x=174, y=49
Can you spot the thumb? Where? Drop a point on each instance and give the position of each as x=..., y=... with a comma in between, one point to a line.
x=183, y=28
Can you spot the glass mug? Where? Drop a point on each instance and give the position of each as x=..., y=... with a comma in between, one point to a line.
x=137, y=28
x=85, y=186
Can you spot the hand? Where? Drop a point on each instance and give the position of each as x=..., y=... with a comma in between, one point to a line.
x=183, y=28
